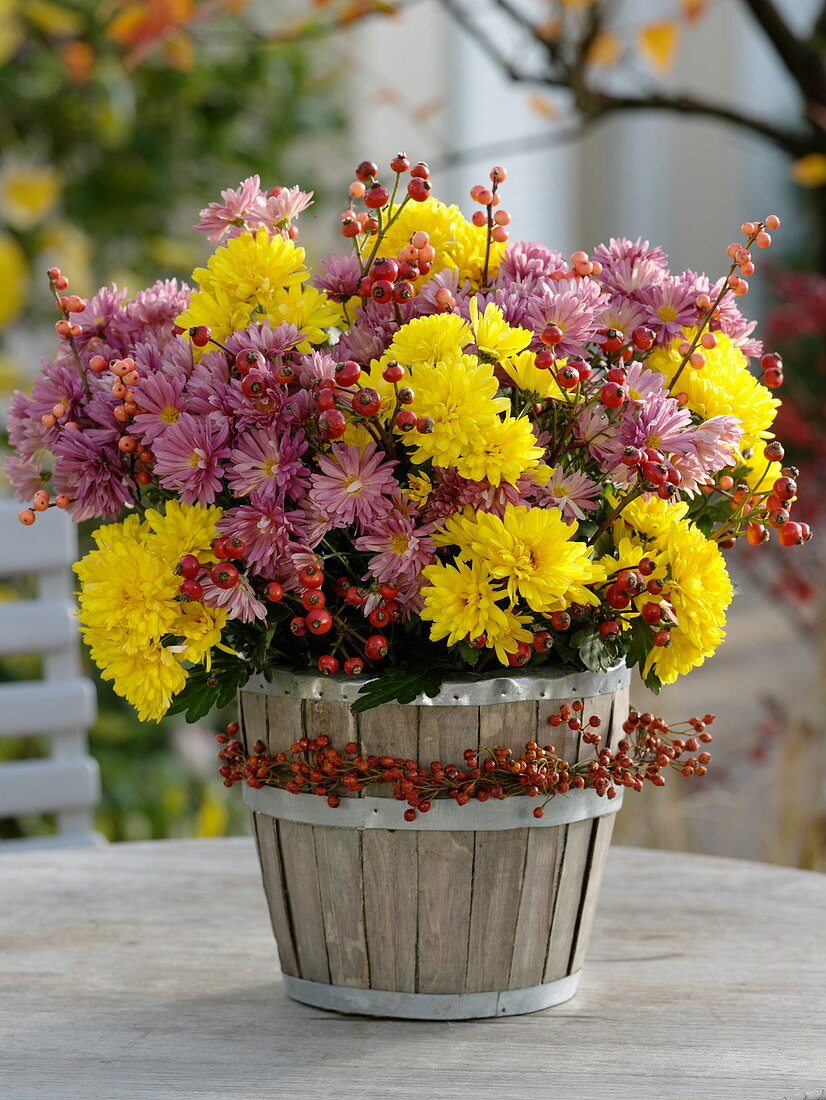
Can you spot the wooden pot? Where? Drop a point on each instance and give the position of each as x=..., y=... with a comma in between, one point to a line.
x=469, y=911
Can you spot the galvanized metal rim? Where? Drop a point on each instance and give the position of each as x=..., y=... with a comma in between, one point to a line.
x=431, y=1006
x=444, y=815
x=541, y=683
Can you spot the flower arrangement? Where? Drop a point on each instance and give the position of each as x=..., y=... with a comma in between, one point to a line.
x=442, y=452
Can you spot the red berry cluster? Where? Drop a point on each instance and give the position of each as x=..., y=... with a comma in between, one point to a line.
x=314, y=766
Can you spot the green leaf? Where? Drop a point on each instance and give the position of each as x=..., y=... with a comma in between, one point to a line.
x=468, y=654
x=398, y=685
x=593, y=651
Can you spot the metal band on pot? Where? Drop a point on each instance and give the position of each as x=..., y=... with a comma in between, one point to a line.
x=540, y=683
x=432, y=1006
x=444, y=815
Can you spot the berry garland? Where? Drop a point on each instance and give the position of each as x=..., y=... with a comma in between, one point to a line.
x=316, y=767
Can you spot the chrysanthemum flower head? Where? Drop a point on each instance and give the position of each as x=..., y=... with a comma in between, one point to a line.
x=462, y=601
x=503, y=450
x=531, y=550
x=430, y=339
x=460, y=396
x=723, y=386
x=494, y=337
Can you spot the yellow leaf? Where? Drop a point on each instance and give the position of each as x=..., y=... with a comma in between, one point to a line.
x=54, y=19
x=605, y=50
x=810, y=171
x=549, y=30
x=13, y=279
x=658, y=41
x=541, y=106
x=694, y=10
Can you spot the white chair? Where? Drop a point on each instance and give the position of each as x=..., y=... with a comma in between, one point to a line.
x=61, y=705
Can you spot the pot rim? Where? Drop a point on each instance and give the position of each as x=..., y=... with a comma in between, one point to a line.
x=546, y=682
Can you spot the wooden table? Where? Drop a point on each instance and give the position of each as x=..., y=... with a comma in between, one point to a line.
x=148, y=970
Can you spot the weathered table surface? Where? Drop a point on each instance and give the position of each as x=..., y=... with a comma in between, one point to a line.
x=148, y=970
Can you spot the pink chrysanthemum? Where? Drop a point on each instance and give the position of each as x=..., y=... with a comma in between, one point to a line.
x=623, y=314
x=240, y=602
x=280, y=206
x=353, y=486
x=266, y=529
x=572, y=493
x=575, y=308
x=669, y=307
x=641, y=383
x=340, y=276
x=400, y=549
x=88, y=469
x=527, y=260
x=163, y=402
x=220, y=218
x=371, y=332
x=188, y=458
x=425, y=301
x=268, y=465
x=24, y=476
x=630, y=266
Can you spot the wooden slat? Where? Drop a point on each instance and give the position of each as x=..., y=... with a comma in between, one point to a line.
x=536, y=906
x=49, y=544
x=391, y=882
x=285, y=722
x=41, y=706
x=573, y=857
x=36, y=626
x=499, y=862
x=445, y=862
x=389, y=859
x=338, y=855
x=298, y=860
x=601, y=841
x=45, y=786
x=253, y=712
x=498, y=868
x=265, y=830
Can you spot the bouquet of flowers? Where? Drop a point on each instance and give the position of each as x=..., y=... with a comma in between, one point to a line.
x=441, y=452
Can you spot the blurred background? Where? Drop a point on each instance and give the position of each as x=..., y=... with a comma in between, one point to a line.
x=674, y=120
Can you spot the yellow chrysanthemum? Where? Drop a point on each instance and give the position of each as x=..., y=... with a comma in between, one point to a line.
x=697, y=583
x=429, y=339
x=182, y=529
x=494, y=337
x=253, y=266
x=310, y=310
x=458, y=243
x=126, y=591
x=418, y=488
x=532, y=550
x=723, y=386
x=460, y=396
x=460, y=601
x=219, y=310
x=530, y=379
x=148, y=679
x=503, y=451
x=128, y=610
x=200, y=627
x=242, y=276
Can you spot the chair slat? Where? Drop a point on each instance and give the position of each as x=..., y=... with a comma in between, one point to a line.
x=40, y=786
x=35, y=626
x=46, y=706
x=51, y=543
